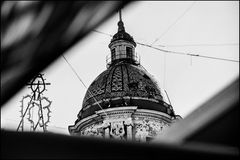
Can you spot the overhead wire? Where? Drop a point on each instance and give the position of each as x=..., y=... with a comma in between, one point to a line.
x=189, y=54
x=200, y=45
x=188, y=9
x=84, y=84
x=103, y=33
x=174, y=52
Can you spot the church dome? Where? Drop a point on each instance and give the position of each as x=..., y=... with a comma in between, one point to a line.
x=124, y=84
x=124, y=102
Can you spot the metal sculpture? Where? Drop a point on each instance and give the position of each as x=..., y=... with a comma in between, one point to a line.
x=35, y=108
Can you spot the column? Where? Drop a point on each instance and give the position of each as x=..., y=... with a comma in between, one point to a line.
x=129, y=132
x=106, y=126
x=107, y=135
x=129, y=125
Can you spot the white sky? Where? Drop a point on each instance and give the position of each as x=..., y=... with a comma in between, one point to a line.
x=188, y=83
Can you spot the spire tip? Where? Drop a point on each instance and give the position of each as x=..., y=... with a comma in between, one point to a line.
x=120, y=15
x=120, y=23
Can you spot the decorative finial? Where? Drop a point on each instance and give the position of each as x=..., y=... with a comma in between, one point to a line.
x=120, y=23
x=120, y=15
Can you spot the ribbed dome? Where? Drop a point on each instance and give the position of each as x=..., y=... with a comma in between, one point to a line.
x=120, y=85
x=123, y=102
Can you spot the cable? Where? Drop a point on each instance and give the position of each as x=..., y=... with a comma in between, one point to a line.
x=188, y=9
x=84, y=85
x=173, y=52
x=183, y=53
x=200, y=45
x=213, y=57
x=102, y=33
x=168, y=97
x=184, y=45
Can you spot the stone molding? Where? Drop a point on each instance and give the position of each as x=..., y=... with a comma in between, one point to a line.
x=129, y=115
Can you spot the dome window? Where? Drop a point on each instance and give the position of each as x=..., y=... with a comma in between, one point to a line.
x=129, y=52
x=113, y=54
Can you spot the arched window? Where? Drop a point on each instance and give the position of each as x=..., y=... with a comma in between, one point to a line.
x=129, y=52
x=113, y=54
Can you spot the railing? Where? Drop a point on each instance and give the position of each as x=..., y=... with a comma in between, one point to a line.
x=135, y=58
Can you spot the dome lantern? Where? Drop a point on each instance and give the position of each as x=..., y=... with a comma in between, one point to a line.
x=122, y=46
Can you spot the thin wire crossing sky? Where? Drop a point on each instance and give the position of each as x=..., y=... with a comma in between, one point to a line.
x=206, y=28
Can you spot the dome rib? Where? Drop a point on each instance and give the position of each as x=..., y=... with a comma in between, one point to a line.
x=120, y=81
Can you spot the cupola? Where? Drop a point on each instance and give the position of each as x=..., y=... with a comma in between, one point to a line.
x=122, y=46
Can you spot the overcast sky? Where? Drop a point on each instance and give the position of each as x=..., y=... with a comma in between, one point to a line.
x=204, y=28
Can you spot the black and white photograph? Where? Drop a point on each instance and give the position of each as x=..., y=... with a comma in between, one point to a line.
x=119, y=79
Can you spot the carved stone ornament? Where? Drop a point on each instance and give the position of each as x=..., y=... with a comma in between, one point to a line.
x=95, y=130
x=117, y=129
x=148, y=128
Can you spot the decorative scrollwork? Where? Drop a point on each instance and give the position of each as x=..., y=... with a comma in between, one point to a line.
x=95, y=130
x=148, y=128
x=37, y=108
x=117, y=130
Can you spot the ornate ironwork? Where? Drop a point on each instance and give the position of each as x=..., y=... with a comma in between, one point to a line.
x=35, y=111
